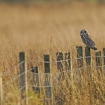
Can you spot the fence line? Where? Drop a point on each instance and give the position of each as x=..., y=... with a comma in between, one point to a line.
x=58, y=73
x=57, y=85
x=18, y=76
x=52, y=62
x=66, y=59
x=44, y=80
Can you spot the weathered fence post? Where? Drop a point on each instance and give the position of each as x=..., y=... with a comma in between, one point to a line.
x=1, y=89
x=88, y=61
x=48, y=100
x=88, y=56
x=60, y=64
x=98, y=60
x=104, y=58
x=67, y=61
x=23, y=78
x=35, y=79
x=79, y=56
x=59, y=61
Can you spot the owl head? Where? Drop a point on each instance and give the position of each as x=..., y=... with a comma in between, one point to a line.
x=83, y=32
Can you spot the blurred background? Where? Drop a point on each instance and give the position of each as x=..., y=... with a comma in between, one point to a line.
x=49, y=25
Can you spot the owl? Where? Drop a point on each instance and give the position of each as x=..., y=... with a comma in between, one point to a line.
x=87, y=40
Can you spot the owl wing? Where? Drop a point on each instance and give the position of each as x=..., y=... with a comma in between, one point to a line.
x=87, y=40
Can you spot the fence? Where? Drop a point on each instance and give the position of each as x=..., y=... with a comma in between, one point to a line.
x=32, y=77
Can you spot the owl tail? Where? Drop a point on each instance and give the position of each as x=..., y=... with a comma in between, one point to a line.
x=94, y=48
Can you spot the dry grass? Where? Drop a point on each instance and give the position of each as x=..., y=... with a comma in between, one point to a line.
x=48, y=28
x=85, y=86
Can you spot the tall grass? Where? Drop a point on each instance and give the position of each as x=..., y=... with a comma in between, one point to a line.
x=48, y=28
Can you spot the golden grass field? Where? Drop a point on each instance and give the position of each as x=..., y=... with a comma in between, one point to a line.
x=47, y=28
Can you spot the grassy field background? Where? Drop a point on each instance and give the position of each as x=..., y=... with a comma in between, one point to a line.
x=26, y=27
x=47, y=28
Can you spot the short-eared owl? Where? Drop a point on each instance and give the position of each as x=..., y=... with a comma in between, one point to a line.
x=87, y=40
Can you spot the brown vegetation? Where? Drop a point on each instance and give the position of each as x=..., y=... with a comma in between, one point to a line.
x=47, y=28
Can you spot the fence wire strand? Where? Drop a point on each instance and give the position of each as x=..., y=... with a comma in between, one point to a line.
x=51, y=62
x=55, y=74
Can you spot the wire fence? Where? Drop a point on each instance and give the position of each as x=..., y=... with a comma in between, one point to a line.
x=50, y=62
x=43, y=76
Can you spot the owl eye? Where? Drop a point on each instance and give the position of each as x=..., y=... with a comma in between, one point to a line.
x=81, y=32
x=84, y=31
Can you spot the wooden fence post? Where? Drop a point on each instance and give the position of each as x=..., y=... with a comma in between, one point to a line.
x=98, y=60
x=48, y=100
x=67, y=61
x=23, y=78
x=104, y=57
x=79, y=56
x=35, y=79
x=88, y=56
x=59, y=61
x=60, y=64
